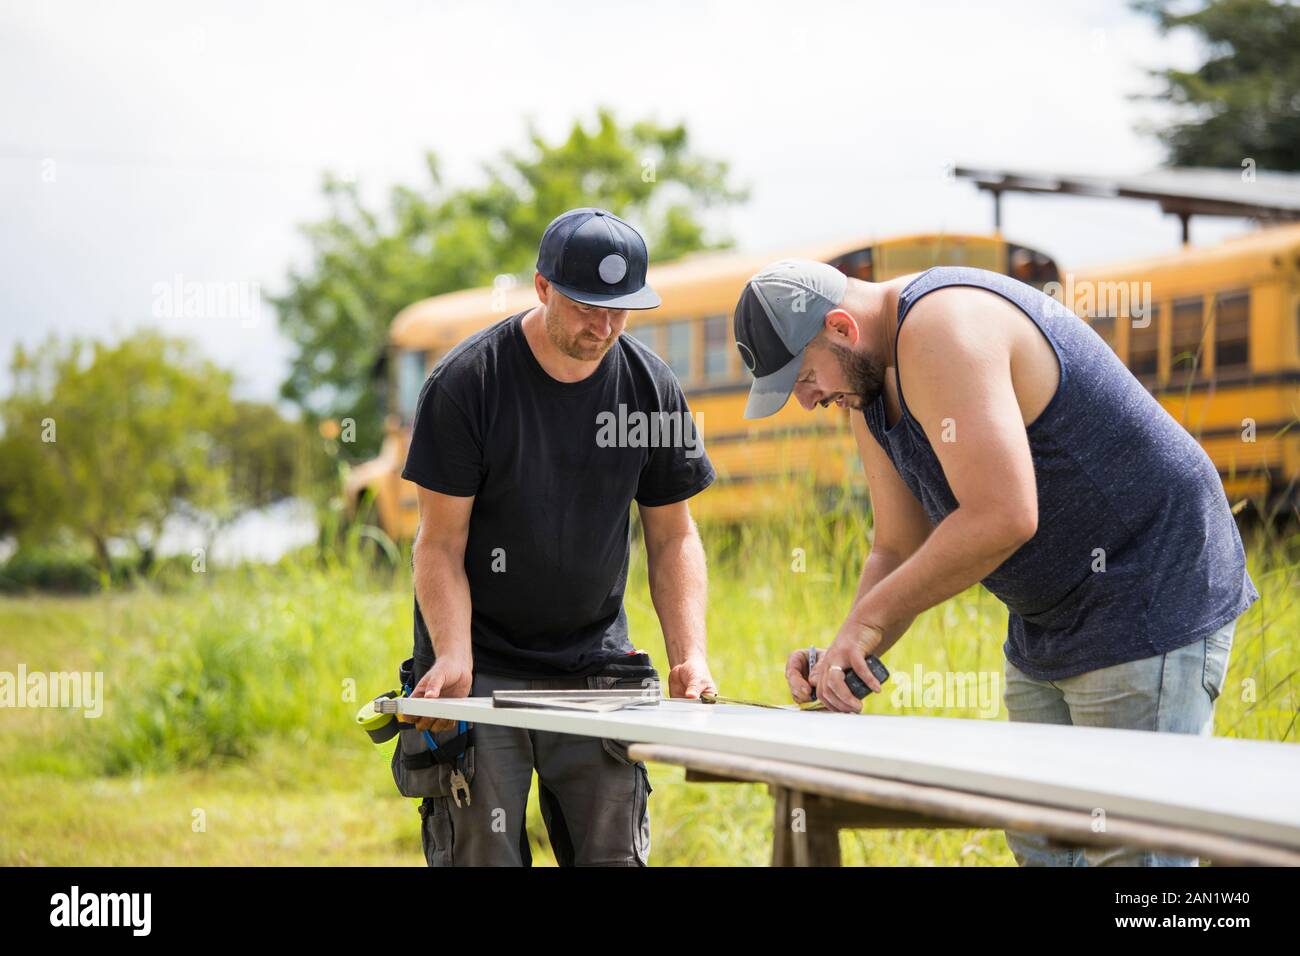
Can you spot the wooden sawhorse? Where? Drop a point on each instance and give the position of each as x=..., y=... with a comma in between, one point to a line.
x=834, y=800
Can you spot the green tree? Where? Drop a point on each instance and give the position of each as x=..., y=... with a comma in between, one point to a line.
x=262, y=459
x=102, y=442
x=1243, y=101
x=366, y=266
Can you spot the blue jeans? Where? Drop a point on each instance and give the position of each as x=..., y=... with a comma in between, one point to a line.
x=1170, y=693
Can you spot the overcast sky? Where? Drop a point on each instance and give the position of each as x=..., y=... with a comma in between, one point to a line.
x=145, y=141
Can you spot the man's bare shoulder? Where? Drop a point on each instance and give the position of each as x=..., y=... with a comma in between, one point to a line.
x=955, y=319
x=968, y=337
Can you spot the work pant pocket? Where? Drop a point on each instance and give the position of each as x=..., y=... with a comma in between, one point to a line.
x=618, y=750
x=628, y=672
x=436, y=833
x=643, y=679
x=1218, y=648
x=641, y=816
x=637, y=816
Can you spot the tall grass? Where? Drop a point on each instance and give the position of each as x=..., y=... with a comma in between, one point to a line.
x=203, y=673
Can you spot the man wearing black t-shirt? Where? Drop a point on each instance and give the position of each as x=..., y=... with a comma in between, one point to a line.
x=531, y=440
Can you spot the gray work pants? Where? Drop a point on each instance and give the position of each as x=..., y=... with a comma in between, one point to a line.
x=593, y=797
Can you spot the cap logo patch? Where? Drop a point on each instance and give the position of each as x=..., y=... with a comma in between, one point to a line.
x=612, y=268
x=746, y=356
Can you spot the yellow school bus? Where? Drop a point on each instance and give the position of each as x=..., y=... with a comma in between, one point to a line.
x=1214, y=334
x=756, y=460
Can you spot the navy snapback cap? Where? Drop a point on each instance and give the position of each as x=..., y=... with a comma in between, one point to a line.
x=593, y=257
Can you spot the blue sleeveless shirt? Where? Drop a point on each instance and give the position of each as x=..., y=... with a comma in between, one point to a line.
x=1121, y=486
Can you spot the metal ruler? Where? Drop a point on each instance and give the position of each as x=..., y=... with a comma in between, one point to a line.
x=597, y=701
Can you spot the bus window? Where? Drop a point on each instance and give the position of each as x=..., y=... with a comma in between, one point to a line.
x=411, y=371
x=1030, y=266
x=647, y=335
x=855, y=265
x=1185, y=341
x=717, y=351
x=1232, y=331
x=1144, y=346
x=677, y=352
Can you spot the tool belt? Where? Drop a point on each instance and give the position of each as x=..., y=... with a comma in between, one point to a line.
x=429, y=764
x=446, y=751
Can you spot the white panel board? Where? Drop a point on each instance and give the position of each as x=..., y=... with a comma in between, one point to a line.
x=1242, y=787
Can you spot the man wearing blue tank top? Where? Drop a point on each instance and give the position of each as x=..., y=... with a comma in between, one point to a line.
x=1005, y=443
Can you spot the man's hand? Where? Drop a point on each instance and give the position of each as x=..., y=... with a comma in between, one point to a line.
x=448, y=677
x=849, y=650
x=691, y=678
x=796, y=675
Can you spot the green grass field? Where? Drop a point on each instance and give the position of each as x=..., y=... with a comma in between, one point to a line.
x=226, y=736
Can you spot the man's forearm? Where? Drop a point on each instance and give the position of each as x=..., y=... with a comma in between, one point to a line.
x=679, y=590
x=879, y=565
x=443, y=592
x=962, y=550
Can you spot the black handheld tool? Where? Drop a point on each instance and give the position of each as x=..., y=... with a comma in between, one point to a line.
x=855, y=683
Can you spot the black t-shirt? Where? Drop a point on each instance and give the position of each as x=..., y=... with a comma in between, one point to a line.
x=554, y=468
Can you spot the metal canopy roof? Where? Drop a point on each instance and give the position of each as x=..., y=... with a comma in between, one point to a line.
x=1184, y=192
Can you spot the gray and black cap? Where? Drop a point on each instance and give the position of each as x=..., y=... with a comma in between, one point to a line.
x=593, y=257
x=780, y=311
